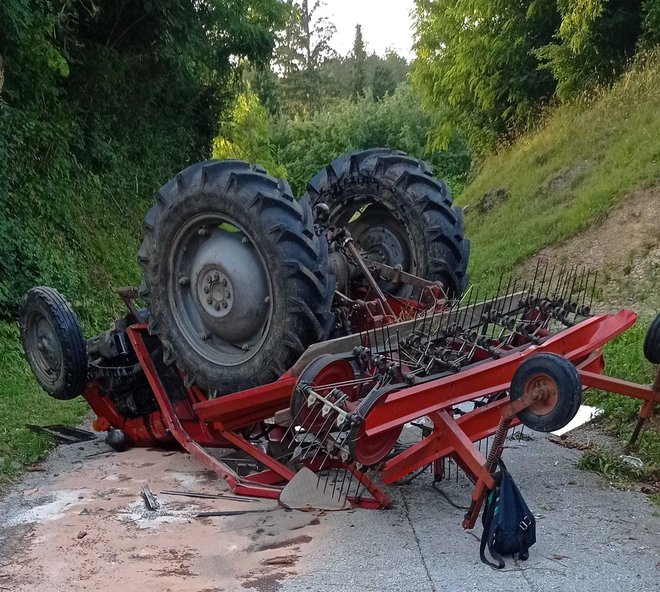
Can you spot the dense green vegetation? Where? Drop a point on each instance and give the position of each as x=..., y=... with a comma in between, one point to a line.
x=488, y=67
x=100, y=103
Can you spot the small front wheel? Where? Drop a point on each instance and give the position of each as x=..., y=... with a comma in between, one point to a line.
x=555, y=384
x=53, y=343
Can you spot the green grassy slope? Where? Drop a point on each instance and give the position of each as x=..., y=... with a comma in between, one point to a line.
x=93, y=251
x=566, y=175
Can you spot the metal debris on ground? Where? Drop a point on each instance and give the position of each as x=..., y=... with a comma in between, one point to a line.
x=223, y=496
x=233, y=512
x=64, y=434
x=149, y=498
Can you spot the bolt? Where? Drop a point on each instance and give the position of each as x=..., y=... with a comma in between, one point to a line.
x=227, y=294
x=209, y=300
x=206, y=289
x=217, y=306
x=184, y=280
x=224, y=282
x=216, y=276
x=208, y=279
x=224, y=304
x=203, y=231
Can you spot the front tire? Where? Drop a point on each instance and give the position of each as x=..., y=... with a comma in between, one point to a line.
x=53, y=343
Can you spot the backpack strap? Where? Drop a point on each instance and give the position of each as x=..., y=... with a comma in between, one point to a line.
x=487, y=535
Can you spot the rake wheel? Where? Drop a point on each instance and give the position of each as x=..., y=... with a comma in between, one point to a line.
x=556, y=382
x=397, y=213
x=235, y=278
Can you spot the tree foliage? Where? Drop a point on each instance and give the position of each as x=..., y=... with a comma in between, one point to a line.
x=302, y=49
x=583, y=52
x=304, y=146
x=359, y=58
x=487, y=67
x=475, y=64
x=102, y=101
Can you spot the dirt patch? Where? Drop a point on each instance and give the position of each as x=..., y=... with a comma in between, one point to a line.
x=624, y=248
x=42, y=518
x=491, y=199
x=568, y=178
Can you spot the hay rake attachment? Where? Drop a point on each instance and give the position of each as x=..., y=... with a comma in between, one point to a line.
x=462, y=371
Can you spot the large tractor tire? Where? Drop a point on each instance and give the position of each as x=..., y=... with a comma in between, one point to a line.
x=237, y=282
x=397, y=213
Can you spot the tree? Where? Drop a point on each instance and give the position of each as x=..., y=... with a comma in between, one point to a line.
x=102, y=102
x=302, y=49
x=475, y=63
x=583, y=52
x=359, y=59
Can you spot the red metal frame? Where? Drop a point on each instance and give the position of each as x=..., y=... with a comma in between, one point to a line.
x=198, y=423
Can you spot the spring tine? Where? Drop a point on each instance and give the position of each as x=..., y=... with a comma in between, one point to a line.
x=343, y=481
x=580, y=291
x=540, y=290
x=593, y=290
x=500, y=308
x=474, y=308
x=513, y=291
x=536, y=274
x=569, y=298
x=585, y=294
x=567, y=281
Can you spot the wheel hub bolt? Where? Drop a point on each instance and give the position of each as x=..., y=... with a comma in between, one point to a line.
x=209, y=300
x=208, y=279
x=227, y=294
x=224, y=304
x=224, y=282
x=216, y=276
x=217, y=306
x=206, y=289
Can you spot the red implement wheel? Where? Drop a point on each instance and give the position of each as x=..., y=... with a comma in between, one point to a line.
x=323, y=374
x=553, y=383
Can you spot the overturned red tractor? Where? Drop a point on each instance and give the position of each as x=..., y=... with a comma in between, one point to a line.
x=307, y=333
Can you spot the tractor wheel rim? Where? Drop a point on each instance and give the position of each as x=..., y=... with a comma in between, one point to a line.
x=219, y=289
x=44, y=347
x=380, y=235
x=544, y=393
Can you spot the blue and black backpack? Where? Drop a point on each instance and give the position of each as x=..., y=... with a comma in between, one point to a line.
x=509, y=526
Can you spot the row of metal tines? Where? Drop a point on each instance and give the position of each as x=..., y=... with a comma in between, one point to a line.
x=447, y=337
